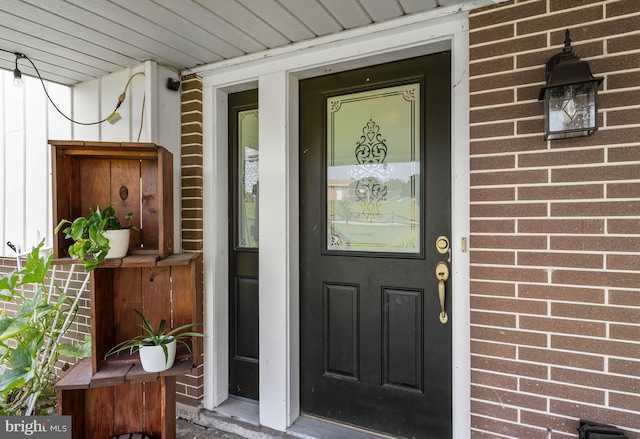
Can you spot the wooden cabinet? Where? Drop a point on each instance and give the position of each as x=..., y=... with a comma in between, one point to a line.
x=133, y=177
x=111, y=396
x=111, y=403
x=162, y=289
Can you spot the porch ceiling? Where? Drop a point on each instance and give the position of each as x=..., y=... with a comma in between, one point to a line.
x=73, y=41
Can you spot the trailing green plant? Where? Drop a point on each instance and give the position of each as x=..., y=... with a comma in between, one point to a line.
x=155, y=337
x=31, y=338
x=90, y=246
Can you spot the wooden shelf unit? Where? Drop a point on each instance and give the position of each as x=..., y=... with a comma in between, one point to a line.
x=112, y=403
x=166, y=289
x=133, y=177
x=113, y=396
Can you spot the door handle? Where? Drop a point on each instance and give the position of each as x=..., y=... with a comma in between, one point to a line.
x=442, y=274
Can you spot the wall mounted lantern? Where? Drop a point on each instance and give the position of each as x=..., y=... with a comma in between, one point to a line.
x=570, y=96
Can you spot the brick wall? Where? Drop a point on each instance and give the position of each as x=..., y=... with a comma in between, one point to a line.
x=555, y=226
x=192, y=163
x=190, y=388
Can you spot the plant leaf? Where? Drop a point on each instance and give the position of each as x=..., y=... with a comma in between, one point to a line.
x=176, y=332
x=15, y=327
x=146, y=325
x=36, y=267
x=5, y=294
x=21, y=357
x=12, y=379
x=76, y=230
x=79, y=350
x=166, y=352
x=5, y=322
x=8, y=284
x=29, y=305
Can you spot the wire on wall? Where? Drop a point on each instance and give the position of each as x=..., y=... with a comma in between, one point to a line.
x=112, y=118
x=122, y=97
x=141, y=118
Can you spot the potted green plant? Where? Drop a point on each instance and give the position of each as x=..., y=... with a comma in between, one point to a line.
x=157, y=350
x=94, y=237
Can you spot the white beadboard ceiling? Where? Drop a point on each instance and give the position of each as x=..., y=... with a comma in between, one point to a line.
x=72, y=41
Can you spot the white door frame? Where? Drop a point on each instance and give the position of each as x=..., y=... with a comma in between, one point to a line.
x=276, y=75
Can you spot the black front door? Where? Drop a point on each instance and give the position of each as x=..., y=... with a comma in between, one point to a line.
x=375, y=217
x=243, y=244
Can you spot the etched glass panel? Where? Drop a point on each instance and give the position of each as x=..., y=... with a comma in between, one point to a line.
x=572, y=107
x=373, y=171
x=248, y=193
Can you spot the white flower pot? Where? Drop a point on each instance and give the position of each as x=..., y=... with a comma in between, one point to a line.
x=153, y=359
x=118, y=243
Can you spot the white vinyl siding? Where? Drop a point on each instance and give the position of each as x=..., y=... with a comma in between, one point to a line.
x=27, y=120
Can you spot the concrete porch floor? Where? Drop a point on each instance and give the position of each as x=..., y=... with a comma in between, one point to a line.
x=237, y=419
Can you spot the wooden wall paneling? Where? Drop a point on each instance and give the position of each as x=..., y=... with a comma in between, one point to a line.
x=71, y=403
x=150, y=210
x=169, y=409
x=129, y=408
x=156, y=300
x=63, y=178
x=186, y=294
x=165, y=165
x=182, y=300
x=198, y=309
x=74, y=195
x=102, y=315
x=160, y=408
x=125, y=194
x=95, y=181
x=99, y=413
x=127, y=297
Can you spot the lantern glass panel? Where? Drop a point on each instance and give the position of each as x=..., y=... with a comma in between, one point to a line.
x=572, y=107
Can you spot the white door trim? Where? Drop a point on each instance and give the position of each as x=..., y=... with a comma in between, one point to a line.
x=278, y=101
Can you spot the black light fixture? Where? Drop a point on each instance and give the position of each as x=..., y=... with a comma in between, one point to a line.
x=17, y=74
x=570, y=96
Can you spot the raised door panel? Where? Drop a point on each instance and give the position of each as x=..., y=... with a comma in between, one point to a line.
x=340, y=316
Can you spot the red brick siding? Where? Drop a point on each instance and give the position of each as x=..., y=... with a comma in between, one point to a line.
x=190, y=388
x=555, y=226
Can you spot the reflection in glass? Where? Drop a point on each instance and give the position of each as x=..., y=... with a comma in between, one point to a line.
x=373, y=172
x=572, y=107
x=248, y=161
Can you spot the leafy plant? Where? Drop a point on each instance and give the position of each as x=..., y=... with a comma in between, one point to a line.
x=155, y=337
x=31, y=339
x=90, y=245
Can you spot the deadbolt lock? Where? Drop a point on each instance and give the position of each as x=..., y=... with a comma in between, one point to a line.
x=442, y=244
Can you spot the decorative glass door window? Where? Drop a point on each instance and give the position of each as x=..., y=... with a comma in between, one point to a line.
x=373, y=171
x=248, y=161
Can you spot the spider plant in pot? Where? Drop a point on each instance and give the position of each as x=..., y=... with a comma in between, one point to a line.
x=157, y=350
x=97, y=236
